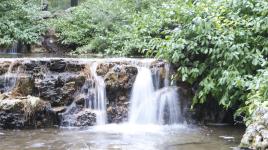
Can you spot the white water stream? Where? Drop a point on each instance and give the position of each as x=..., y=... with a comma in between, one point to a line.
x=98, y=102
x=150, y=105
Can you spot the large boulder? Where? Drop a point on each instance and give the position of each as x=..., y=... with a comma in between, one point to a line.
x=25, y=112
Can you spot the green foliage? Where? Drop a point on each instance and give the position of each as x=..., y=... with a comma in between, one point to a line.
x=102, y=26
x=19, y=21
x=91, y=25
x=220, y=47
x=258, y=96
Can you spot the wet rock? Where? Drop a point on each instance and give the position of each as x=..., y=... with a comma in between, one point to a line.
x=59, y=89
x=57, y=65
x=77, y=115
x=256, y=135
x=75, y=67
x=85, y=118
x=25, y=112
x=120, y=78
x=117, y=113
x=13, y=105
x=117, y=75
x=80, y=99
x=103, y=69
x=24, y=86
x=4, y=67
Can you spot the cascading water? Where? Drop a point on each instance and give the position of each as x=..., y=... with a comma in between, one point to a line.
x=98, y=101
x=94, y=92
x=168, y=106
x=143, y=110
x=151, y=105
x=10, y=77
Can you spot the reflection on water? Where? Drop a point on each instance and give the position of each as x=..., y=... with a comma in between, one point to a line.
x=122, y=137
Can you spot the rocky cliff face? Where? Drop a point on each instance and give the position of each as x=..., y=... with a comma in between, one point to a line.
x=42, y=92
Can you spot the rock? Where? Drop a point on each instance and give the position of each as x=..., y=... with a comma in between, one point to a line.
x=75, y=67
x=117, y=113
x=80, y=99
x=122, y=98
x=103, y=69
x=120, y=77
x=24, y=86
x=50, y=42
x=25, y=112
x=12, y=105
x=256, y=134
x=85, y=118
x=57, y=65
x=4, y=67
x=265, y=118
x=264, y=133
x=59, y=89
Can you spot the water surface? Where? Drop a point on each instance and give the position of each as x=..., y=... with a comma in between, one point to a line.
x=122, y=137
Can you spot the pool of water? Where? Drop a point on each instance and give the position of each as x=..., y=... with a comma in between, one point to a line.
x=123, y=137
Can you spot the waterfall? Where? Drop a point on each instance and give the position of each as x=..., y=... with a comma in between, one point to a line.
x=94, y=93
x=142, y=109
x=151, y=105
x=168, y=105
x=10, y=77
x=139, y=91
x=98, y=101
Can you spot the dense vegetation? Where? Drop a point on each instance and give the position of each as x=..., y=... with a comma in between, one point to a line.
x=20, y=20
x=220, y=47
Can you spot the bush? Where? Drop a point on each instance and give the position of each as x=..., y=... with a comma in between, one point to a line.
x=19, y=21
